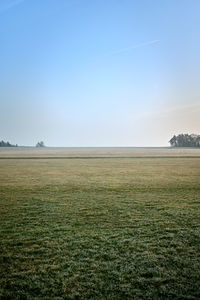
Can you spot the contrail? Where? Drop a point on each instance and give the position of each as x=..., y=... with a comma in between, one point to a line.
x=10, y=5
x=178, y=108
x=148, y=43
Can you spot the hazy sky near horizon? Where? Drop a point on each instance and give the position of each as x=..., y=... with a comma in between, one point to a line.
x=99, y=73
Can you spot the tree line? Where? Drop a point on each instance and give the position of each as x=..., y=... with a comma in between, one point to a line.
x=6, y=144
x=185, y=140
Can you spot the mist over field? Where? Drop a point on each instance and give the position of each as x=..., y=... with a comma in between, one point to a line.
x=98, y=152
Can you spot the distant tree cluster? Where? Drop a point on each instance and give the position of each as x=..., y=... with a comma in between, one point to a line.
x=6, y=144
x=40, y=144
x=185, y=140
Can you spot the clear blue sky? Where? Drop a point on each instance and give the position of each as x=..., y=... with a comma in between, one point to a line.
x=99, y=73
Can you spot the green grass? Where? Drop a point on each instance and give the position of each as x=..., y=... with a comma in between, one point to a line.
x=119, y=228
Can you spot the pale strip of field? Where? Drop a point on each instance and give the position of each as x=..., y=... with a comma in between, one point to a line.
x=67, y=152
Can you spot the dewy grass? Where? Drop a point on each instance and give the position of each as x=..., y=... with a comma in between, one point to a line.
x=120, y=228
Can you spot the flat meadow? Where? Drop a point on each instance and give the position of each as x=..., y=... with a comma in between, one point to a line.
x=99, y=223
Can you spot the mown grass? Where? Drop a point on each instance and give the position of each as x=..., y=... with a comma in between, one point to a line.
x=100, y=229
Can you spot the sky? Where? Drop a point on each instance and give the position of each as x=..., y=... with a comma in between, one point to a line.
x=85, y=73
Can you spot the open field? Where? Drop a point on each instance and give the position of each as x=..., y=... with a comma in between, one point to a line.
x=101, y=228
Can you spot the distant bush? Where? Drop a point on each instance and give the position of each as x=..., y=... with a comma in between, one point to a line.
x=185, y=140
x=40, y=144
x=6, y=144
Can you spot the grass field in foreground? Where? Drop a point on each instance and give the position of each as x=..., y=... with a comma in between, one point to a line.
x=120, y=228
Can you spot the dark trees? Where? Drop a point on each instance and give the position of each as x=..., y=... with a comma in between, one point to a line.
x=185, y=140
